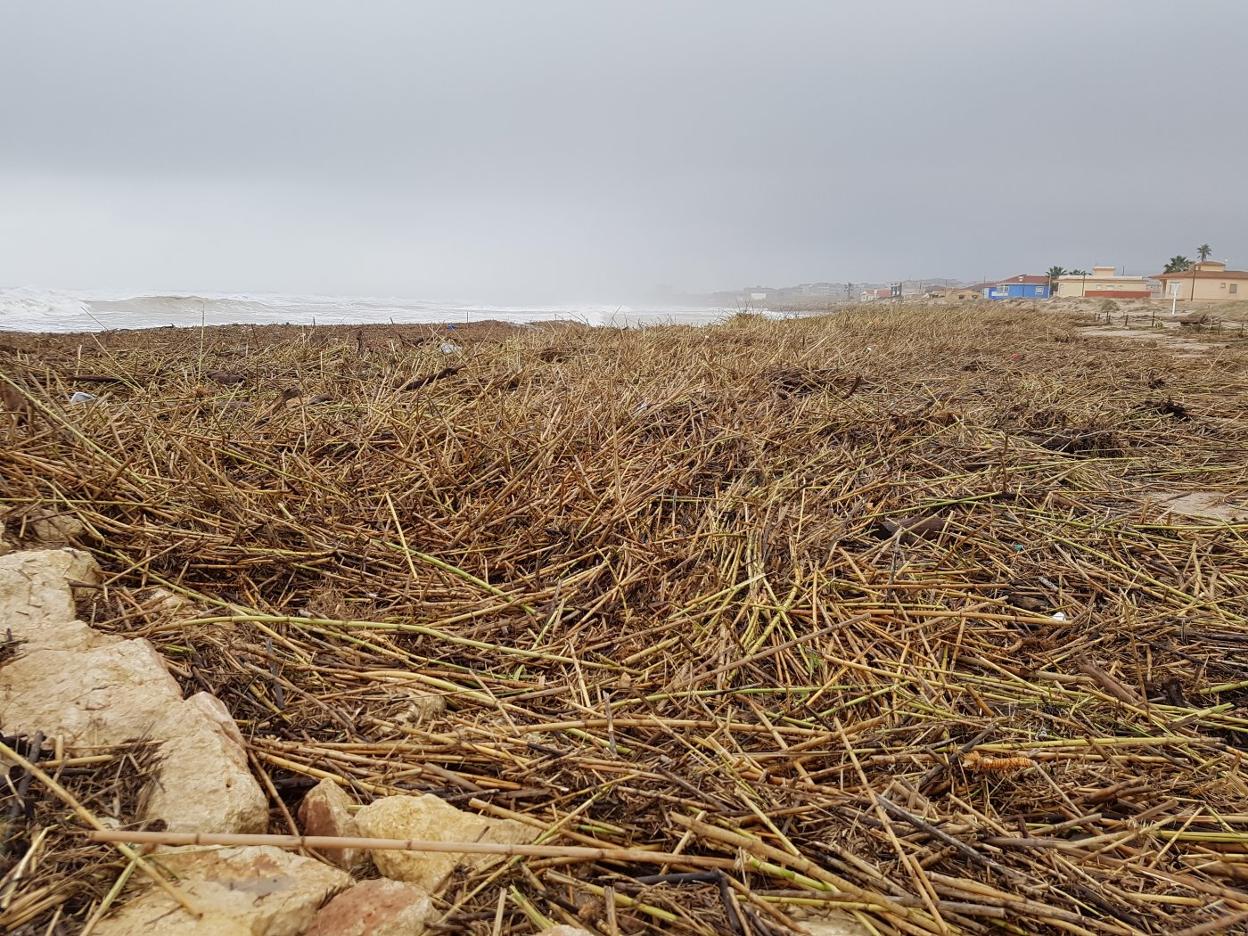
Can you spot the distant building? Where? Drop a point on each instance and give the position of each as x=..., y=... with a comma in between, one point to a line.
x=1103, y=283
x=957, y=293
x=1018, y=287
x=1206, y=281
x=870, y=295
x=818, y=289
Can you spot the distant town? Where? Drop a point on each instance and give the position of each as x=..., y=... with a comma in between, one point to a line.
x=1201, y=281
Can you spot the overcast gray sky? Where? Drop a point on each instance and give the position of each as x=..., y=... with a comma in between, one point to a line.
x=586, y=150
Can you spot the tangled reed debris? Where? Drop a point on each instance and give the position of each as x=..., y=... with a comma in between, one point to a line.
x=644, y=573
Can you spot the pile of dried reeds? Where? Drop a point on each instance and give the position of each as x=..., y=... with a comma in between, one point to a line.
x=879, y=608
x=52, y=879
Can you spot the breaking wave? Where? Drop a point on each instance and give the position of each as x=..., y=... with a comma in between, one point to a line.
x=28, y=309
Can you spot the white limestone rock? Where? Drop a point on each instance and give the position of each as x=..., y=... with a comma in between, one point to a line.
x=430, y=818
x=37, y=598
x=255, y=890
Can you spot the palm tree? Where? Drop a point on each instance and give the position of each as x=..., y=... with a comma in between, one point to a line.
x=1054, y=273
x=1178, y=264
x=1079, y=273
x=1203, y=251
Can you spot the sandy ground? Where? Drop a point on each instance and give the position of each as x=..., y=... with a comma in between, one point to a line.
x=1186, y=342
x=1172, y=337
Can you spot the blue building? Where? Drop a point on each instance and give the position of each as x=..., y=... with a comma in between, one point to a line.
x=1018, y=287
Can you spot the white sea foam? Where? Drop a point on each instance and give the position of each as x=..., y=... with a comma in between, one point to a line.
x=30, y=309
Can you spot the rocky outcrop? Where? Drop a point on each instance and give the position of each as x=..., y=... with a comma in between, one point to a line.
x=254, y=891
x=375, y=908
x=86, y=688
x=431, y=819
x=93, y=689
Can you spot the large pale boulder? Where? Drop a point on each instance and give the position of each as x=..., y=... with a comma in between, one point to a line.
x=87, y=688
x=432, y=819
x=257, y=891
x=61, y=635
x=122, y=692
x=375, y=908
x=326, y=810
x=204, y=783
x=102, y=696
x=37, y=593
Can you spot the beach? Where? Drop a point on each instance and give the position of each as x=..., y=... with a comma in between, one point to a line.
x=899, y=616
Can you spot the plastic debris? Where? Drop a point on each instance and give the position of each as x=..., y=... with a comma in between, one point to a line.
x=81, y=396
x=449, y=347
x=1059, y=616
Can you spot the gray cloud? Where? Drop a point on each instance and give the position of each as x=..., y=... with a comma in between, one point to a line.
x=571, y=150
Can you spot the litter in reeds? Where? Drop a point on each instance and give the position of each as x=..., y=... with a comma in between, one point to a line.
x=983, y=763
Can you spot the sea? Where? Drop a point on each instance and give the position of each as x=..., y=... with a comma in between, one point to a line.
x=48, y=310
